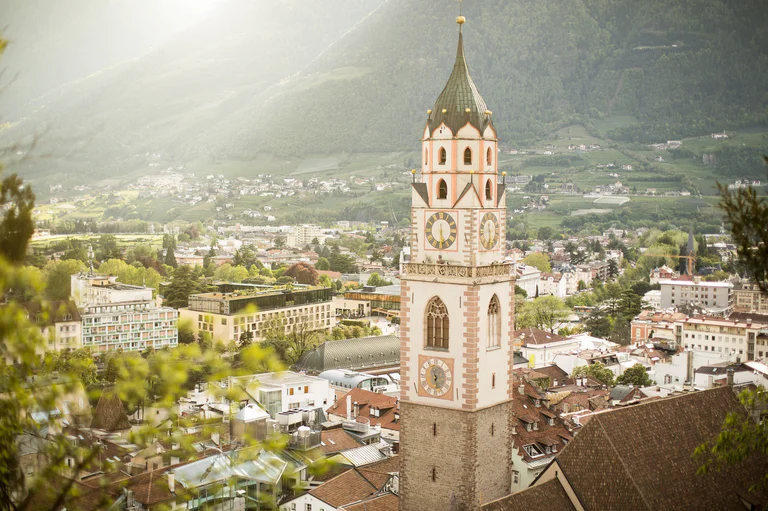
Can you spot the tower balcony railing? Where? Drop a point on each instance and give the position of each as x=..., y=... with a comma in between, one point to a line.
x=461, y=271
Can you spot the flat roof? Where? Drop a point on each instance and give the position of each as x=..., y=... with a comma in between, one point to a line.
x=702, y=283
x=236, y=295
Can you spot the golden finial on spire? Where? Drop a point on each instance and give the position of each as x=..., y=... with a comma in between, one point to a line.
x=460, y=19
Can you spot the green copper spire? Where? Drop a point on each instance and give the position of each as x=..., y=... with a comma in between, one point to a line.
x=460, y=103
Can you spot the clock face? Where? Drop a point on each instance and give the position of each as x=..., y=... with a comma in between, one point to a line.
x=441, y=230
x=489, y=231
x=435, y=377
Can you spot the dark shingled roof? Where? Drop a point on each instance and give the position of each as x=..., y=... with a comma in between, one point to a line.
x=459, y=94
x=355, y=354
x=549, y=496
x=110, y=414
x=641, y=457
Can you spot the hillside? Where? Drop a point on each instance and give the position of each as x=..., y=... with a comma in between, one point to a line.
x=304, y=78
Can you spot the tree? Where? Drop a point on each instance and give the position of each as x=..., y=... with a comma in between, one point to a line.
x=376, y=280
x=170, y=257
x=598, y=324
x=539, y=260
x=57, y=275
x=322, y=264
x=279, y=242
x=183, y=283
x=747, y=214
x=303, y=273
x=520, y=291
x=544, y=313
x=108, y=248
x=597, y=371
x=16, y=224
x=246, y=257
x=636, y=375
x=613, y=269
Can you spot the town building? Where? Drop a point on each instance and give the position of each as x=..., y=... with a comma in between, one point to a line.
x=747, y=297
x=119, y=316
x=652, y=299
x=740, y=340
x=228, y=316
x=302, y=235
x=656, y=325
x=712, y=297
x=528, y=278
x=540, y=347
x=457, y=311
x=662, y=273
x=371, y=300
x=59, y=322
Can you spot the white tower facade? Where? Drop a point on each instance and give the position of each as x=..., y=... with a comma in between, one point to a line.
x=457, y=305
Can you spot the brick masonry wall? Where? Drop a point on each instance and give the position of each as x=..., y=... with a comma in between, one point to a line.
x=405, y=337
x=470, y=454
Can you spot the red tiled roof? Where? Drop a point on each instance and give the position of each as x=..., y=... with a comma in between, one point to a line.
x=350, y=486
x=653, y=467
x=384, y=502
x=536, y=336
x=549, y=496
x=387, y=406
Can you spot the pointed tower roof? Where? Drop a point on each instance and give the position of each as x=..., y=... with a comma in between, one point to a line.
x=460, y=102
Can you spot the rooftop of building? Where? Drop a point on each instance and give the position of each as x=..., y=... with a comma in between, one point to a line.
x=258, y=291
x=701, y=283
x=357, y=353
x=529, y=336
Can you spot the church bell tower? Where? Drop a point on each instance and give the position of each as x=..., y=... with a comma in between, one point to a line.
x=457, y=306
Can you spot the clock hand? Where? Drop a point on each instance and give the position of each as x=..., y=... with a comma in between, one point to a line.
x=442, y=239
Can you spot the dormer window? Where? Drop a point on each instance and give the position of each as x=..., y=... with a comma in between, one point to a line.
x=442, y=156
x=467, y=156
x=528, y=427
x=551, y=421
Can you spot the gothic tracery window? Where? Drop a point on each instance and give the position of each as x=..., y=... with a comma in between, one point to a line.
x=494, y=323
x=437, y=324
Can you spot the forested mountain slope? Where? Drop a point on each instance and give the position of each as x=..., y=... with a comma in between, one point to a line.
x=680, y=67
x=345, y=75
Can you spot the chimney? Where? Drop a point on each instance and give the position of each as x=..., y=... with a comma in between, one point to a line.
x=171, y=482
x=729, y=372
x=357, y=409
x=349, y=407
x=521, y=388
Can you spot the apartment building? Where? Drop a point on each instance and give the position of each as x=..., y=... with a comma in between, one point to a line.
x=59, y=323
x=120, y=316
x=714, y=297
x=741, y=340
x=225, y=316
x=747, y=297
x=301, y=235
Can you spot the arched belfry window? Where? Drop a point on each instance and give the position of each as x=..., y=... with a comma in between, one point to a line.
x=467, y=156
x=442, y=155
x=488, y=156
x=442, y=189
x=426, y=156
x=437, y=324
x=488, y=190
x=494, y=323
